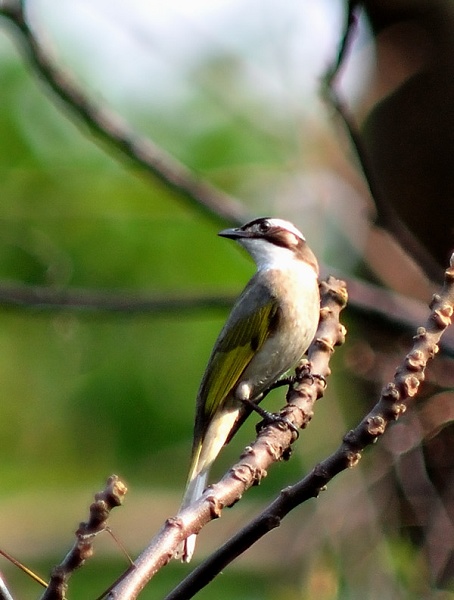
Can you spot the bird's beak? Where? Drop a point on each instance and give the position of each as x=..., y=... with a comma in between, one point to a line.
x=234, y=233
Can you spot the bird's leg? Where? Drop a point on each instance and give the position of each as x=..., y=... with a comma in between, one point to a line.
x=302, y=372
x=268, y=417
x=277, y=384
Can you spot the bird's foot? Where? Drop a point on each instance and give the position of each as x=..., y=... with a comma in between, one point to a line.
x=302, y=372
x=270, y=418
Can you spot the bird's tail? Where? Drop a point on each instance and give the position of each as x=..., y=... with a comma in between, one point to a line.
x=194, y=489
x=203, y=456
x=193, y=492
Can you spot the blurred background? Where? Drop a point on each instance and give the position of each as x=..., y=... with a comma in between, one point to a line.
x=232, y=90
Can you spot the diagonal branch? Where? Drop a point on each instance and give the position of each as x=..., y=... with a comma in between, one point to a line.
x=109, y=128
x=272, y=444
x=110, y=497
x=391, y=405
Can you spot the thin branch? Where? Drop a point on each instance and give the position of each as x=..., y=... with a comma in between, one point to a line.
x=112, y=496
x=387, y=217
x=109, y=128
x=272, y=444
x=350, y=25
x=85, y=300
x=23, y=568
x=391, y=405
x=390, y=306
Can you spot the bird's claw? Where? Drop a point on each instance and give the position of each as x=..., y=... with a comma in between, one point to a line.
x=304, y=372
x=270, y=418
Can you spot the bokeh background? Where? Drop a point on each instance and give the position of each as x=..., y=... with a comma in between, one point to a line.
x=231, y=89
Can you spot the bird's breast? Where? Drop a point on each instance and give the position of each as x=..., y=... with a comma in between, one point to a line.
x=297, y=321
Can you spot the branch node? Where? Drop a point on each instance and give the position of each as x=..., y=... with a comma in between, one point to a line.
x=215, y=506
x=398, y=410
x=449, y=273
x=324, y=345
x=410, y=385
x=85, y=548
x=273, y=521
x=414, y=361
x=274, y=451
x=174, y=522
x=325, y=313
x=248, y=451
x=240, y=472
x=115, y=493
x=353, y=459
x=321, y=472
x=442, y=316
x=390, y=392
x=376, y=426
x=421, y=332
x=335, y=289
x=342, y=333
x=432, y=350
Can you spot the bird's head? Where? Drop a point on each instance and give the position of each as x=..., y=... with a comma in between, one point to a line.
x=272, y=243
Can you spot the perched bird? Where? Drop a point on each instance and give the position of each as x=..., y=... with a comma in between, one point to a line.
x=267, y=333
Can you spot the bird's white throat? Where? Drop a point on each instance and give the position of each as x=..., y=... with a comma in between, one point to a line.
x=269, y=256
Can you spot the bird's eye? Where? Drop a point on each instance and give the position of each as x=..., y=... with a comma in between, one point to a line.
x=264, y=226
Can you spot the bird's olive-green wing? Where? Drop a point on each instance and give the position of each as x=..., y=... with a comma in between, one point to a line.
x=252, y=320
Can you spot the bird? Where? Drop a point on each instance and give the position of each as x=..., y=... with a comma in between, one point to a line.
x=268, y=331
